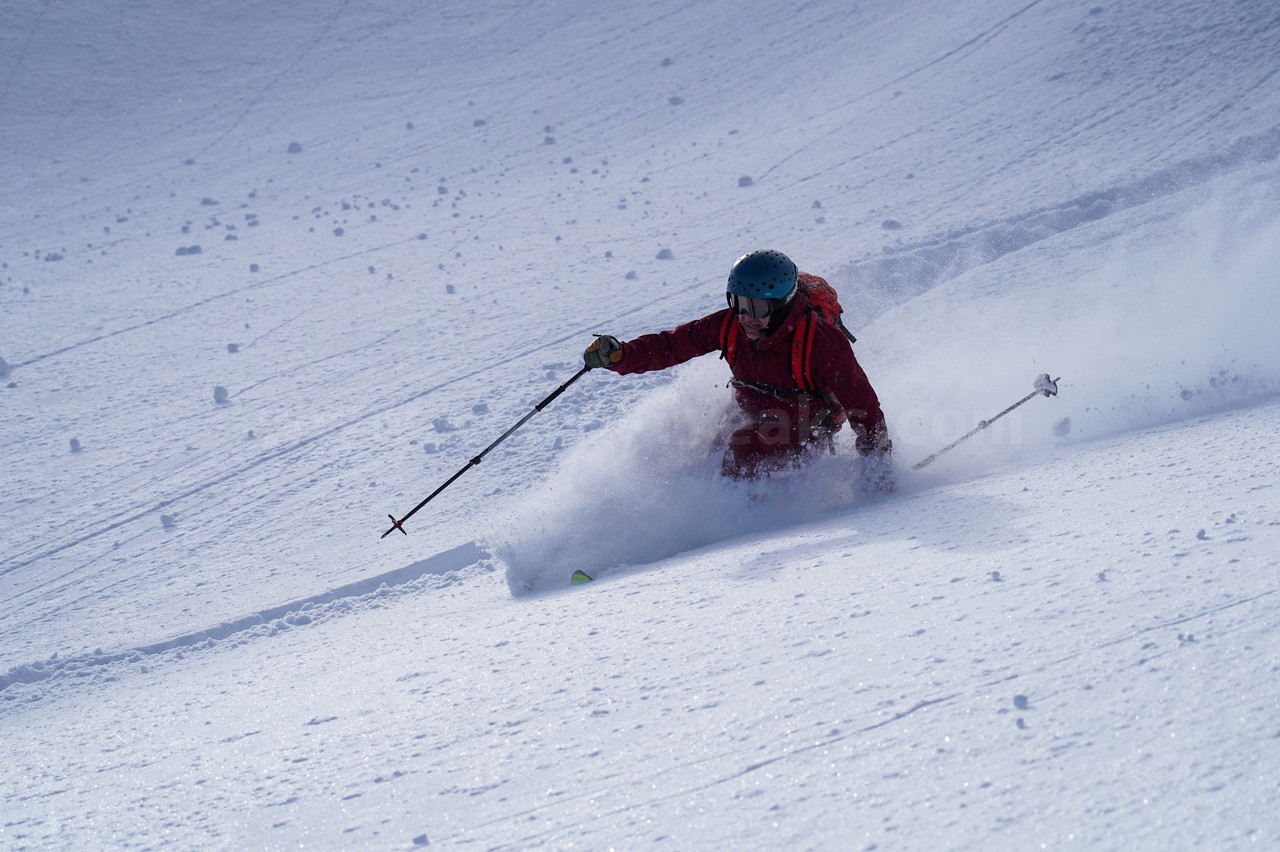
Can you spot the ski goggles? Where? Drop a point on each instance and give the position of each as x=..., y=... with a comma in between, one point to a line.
x=753, y=307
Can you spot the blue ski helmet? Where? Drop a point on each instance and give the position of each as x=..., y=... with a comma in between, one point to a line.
x=763, y=274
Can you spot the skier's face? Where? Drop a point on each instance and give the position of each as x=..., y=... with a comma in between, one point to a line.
x=754, y=314
x=753, y=327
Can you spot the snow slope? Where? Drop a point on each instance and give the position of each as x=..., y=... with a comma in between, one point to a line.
x=409, y=221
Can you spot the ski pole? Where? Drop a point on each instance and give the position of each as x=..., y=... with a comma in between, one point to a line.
x=399, y=525
x=1045, y=386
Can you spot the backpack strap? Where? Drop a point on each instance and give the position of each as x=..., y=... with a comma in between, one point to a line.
x=802, y=351
x=729, y=333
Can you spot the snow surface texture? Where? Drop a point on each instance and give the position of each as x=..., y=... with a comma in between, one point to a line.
x=271, y=272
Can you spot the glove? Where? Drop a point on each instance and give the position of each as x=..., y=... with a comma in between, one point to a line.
x=877, y=463
x=604, y=351
x=877, y=472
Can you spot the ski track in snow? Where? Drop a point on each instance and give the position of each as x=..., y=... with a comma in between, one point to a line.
x=448, y=565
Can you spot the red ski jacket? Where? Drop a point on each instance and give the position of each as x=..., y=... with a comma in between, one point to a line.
x=764, y=375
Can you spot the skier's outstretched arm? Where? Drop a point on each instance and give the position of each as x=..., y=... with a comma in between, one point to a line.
x=656, y=351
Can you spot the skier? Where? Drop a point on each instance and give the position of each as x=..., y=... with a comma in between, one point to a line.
x=795, y=378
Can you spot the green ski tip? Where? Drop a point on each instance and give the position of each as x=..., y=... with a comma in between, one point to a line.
x=580, y=577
